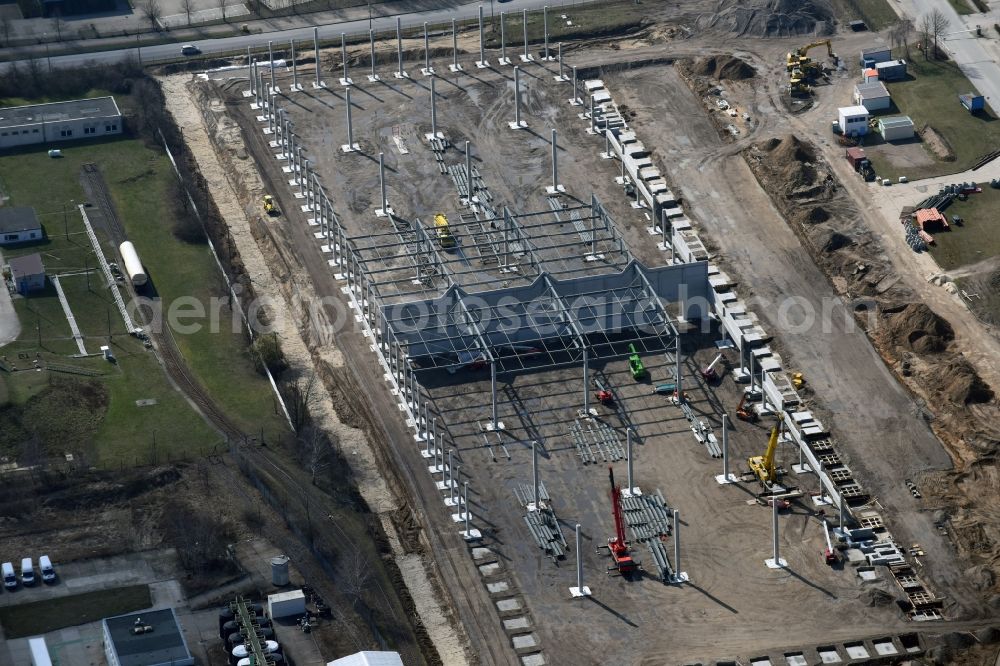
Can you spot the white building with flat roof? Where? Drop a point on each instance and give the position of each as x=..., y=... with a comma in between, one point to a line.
x=59, y=121
x=853, y=120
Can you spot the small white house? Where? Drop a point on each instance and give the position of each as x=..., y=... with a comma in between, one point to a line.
x=19, y=224
x=873, y=96
x=59, y=121
x=896, y=128
x=853, y=120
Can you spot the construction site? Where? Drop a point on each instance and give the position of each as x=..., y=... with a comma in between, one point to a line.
x=533, y=306
x=617, y=352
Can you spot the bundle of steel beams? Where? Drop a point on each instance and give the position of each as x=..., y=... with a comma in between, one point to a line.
x=596, y=441
x=647, y=516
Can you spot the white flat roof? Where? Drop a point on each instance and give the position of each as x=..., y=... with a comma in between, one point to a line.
x=853, y=111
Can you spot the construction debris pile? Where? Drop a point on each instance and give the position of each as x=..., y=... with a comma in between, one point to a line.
x=771, y=18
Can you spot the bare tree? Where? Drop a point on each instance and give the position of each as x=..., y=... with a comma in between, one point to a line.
x=354, y=575
x=5, y=28
x=926, y=28
x=315, y=451
x=222, y=7
x=58, y=24
x=188, y=6
x=300, y=397
x=903, y=30
x=152, y=12
x=939, y=24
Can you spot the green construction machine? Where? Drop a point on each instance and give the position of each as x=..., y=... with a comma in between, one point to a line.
x=635, y=364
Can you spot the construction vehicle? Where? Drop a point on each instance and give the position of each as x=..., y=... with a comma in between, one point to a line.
x=617, y=545
x=709, y=372
x=798, y=381
x=830, y=555
x=763, y=466
x=635, y=364
x=444, y=237
x=604, y=394
x=745, y=413
x=798, y=59
x=269, y=206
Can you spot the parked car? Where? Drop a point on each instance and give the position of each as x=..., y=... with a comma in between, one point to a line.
x=190, y=49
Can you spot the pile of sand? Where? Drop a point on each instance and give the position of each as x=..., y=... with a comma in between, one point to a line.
x=723, y=68
x=959, y=382
x=793, y=167
x=772, y=18
x=919, y=328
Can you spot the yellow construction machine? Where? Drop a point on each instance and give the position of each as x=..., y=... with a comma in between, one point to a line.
x=763, y=466
x=798, y=59
x=269, y=207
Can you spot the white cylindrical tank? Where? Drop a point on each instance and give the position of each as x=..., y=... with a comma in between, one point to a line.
x=133, y=266
x=279, y=570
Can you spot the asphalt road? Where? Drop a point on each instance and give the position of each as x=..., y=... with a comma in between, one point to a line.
x=327, y=31
x=965, y=48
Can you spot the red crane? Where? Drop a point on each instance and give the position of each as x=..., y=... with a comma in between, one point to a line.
x=617, y=544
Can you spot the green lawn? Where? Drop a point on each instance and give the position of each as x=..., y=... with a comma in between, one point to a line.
x=138, y=179
x=962, y=6
x=877, y=14
x=977, y=238
x=930, y=97
x=40, y=617
x=185, y=273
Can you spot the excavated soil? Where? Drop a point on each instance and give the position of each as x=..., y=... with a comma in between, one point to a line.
x=917, y=327
x=771, y=18
x=723, y=68
x=915, y=342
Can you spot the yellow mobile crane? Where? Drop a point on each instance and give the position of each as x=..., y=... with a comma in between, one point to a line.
x=763, y=466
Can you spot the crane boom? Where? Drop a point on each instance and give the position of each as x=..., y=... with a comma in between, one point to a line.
x=763, y=466
x=617, y=544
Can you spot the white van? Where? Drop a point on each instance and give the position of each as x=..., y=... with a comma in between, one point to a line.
x=45, y=567
x=9, y=579
x=27, y=572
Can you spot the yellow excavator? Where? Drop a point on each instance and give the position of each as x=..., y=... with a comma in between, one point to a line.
x=798, y=59
x=763, y=466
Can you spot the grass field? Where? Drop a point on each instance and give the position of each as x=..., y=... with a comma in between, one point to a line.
x=877, y=14
x=977, y=239
x=962, y=6
x=138, y=179
x=40, y=617
x=930, y=97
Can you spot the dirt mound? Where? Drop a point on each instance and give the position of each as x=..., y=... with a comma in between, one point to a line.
x=817, y=215
x=772, y=18
x=724, y=68
x=789, y=148
x=918, y=327
x=959, y=382
x=836, y=242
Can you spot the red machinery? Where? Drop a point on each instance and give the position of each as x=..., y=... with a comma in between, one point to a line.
x=604, y=395
x=617, y=545
x=745, y=413
x=709, y=372
x=830, y=556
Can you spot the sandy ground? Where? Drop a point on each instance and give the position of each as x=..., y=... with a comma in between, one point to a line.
x=370, y=482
